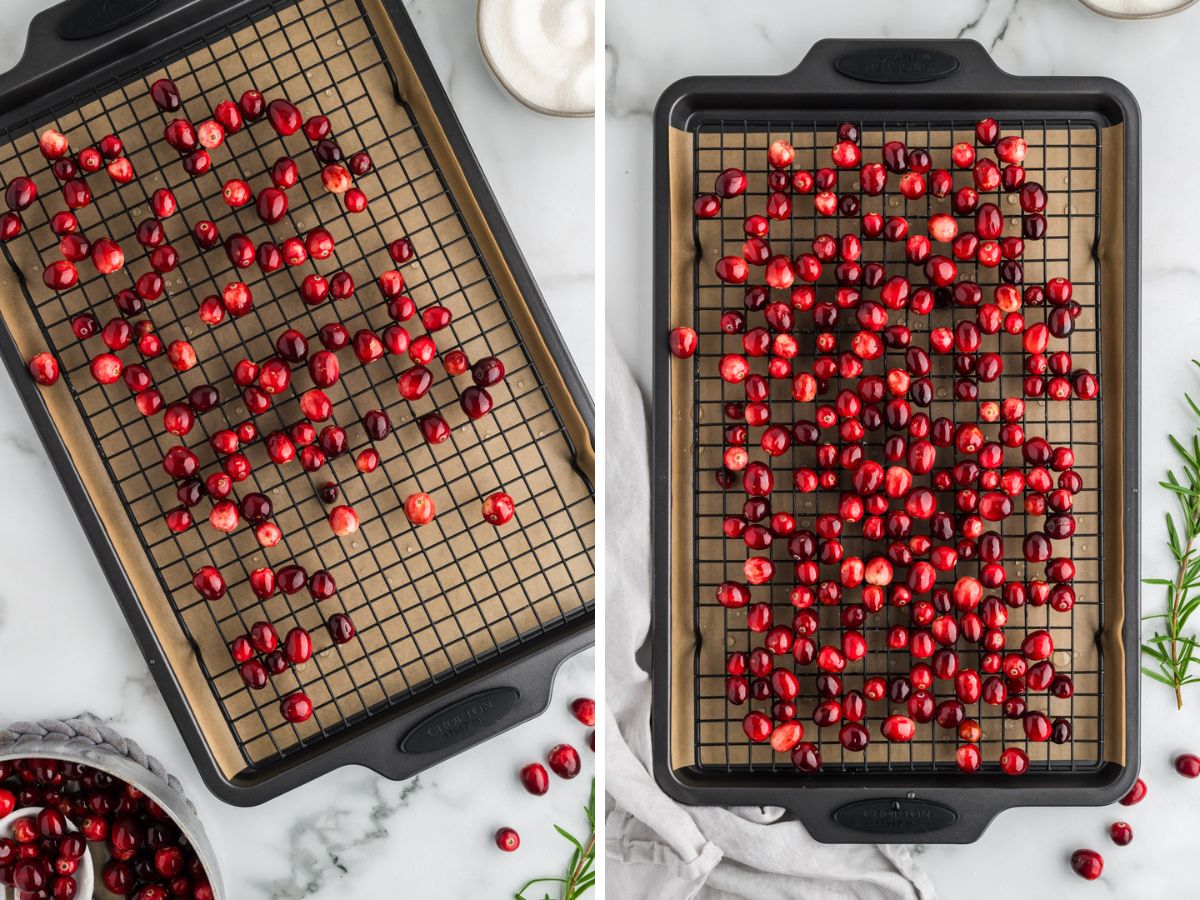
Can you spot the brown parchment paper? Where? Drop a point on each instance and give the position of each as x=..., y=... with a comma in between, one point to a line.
x=1082, y=171
x=427, y=603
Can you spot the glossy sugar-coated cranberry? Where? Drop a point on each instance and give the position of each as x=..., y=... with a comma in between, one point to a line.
x=564, y=761
x=1187, y=765
x=1087, y=864
x=498, y=509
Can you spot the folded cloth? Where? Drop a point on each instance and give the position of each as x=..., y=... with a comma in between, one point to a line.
x=655, y=847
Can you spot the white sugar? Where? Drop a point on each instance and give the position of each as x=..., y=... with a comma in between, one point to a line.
x=543, y=50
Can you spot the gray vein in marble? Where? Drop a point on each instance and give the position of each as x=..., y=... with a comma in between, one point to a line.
x=21, y=443
x=322, y=848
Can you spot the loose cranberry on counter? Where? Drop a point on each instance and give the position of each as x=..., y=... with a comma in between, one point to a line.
x=1087, y=864
x=1121, y=833
x=1136, y=794
x=584, y=709
x=535, y=779
x=508, y=840
x=1187, y=765
x=564, y=761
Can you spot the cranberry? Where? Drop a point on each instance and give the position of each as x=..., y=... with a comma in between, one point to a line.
x=584, y=709
x=1188, y=765
x=564, y=761
x=1087, y=864
x=165, y=95
x=44, y=369
x=535, y=779
x=498, y=509
x=296, y=708
x=343, y=520
x=1121, y=833
x=298, y=646
x=683, y=342
x=341, y=628
x=507, y=839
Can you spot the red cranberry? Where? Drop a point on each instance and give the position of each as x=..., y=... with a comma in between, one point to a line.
x=1187, y=765
x=296, y=708
x=1121, y=833
x=498, y=509
x=341, y=628
x=564, y=761
x=1087, y=864
x=508, y=840
x=584, y=709
x=535, y=779
x=343, y=520
x=44, y=369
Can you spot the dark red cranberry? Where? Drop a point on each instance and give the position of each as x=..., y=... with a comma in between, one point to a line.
x=535, y=778
x=564, y=761
x=1087, y=864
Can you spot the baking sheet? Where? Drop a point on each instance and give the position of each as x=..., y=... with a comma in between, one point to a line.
x=428, y=603
x=706, y=731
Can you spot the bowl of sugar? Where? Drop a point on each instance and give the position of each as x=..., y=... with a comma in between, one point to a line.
x=542, y=52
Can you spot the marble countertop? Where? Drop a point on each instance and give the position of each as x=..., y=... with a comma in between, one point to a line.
x=350, y=834
x=1025, y=852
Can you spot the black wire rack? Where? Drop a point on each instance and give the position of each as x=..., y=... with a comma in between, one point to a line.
x=1065, y=157
x=428, y=604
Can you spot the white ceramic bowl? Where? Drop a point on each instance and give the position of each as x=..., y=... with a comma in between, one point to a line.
x=1098, y=7
x=499, y=78
x=85, y=875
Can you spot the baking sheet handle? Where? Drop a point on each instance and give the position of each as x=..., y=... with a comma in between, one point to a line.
x=896, y=65
x=80, y=37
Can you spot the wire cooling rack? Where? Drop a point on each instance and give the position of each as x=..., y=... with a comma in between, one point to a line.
x=428, y=604
x=1064, y=156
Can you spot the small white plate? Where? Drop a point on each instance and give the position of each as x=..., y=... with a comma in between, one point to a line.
x=85, y=877
x=1097, y=6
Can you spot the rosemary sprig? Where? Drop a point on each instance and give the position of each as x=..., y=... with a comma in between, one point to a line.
x=1172, y=649
x=580, y=875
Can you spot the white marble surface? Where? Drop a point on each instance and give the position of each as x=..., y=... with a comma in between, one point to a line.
x=1025, y=851
x=350, y=835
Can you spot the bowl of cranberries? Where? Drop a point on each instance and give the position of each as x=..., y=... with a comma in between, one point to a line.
x=79, y=819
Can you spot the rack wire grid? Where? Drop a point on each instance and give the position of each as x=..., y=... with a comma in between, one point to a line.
x=428, y=603
x=1065, y=157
